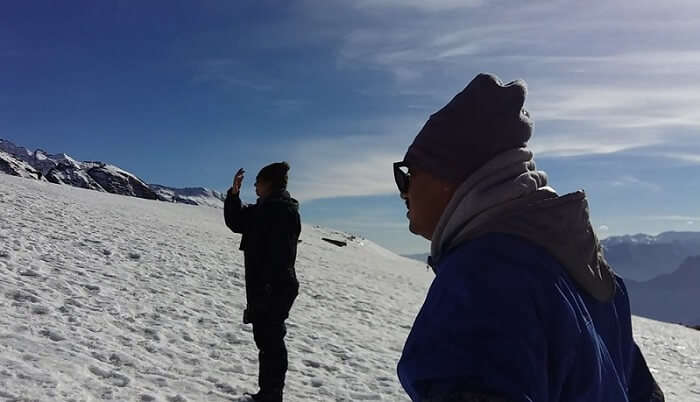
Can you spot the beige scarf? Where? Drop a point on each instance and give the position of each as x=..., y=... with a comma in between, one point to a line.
x=508, y=195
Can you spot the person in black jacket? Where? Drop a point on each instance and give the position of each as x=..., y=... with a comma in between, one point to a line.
x=270, y=230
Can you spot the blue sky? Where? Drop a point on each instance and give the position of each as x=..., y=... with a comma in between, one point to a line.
x=184, y=93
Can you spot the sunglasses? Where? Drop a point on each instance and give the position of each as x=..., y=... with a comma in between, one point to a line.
x=402, y=176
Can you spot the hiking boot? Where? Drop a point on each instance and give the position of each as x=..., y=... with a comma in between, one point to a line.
x=274, y=395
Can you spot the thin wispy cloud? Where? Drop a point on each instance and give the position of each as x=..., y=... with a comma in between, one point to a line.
x=603, y=77
x=619, y=106
x=345, y=167
x=422, y=5
x=679, y=218
x=631, y=181
x=693, y=158
x=592, y=141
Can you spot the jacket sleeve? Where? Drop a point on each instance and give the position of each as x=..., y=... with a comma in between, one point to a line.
x=643, y=387
x=467, y=397
x=479, y=335
x=236, y=214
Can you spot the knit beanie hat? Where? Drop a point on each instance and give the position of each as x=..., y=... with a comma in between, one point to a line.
x=275, y=174
x=484, y=120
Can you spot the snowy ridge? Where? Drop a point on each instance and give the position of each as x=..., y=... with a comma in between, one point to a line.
x=190, y=195
x=15, y=167
x=662, y=238
x=12, y=149
x=63, y=169
x=643, y=257
x=118, y=298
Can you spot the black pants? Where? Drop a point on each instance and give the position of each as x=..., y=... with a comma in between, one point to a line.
x=269, y=337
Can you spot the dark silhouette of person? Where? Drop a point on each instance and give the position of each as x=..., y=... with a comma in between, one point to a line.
x=270, y=230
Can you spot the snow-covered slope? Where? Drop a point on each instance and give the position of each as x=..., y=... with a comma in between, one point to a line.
x=118, y=298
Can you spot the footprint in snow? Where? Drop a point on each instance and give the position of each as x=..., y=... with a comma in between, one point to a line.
x=23, y=296
x=112, y=377
x=40, y=310
x=29, y=273
x=54, y=336
x=311, y=363
x=92, y=288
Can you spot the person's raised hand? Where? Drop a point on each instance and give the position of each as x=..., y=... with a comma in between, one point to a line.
x=238, y=181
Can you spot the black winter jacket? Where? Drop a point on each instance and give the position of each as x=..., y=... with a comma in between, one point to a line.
x=270, y=230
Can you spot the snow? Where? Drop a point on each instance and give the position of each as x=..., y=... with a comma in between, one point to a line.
x=105, y=297
x=192, y=196
x=673, y=355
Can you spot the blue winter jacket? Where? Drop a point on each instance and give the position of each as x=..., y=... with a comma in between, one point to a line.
x=503, y=317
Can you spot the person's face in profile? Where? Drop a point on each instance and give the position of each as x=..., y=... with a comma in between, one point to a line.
x=426, y=199
x=262, y=188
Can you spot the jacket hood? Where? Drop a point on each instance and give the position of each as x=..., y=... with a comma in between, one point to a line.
x=508, y=195
x=562, y=226
x=280, y=198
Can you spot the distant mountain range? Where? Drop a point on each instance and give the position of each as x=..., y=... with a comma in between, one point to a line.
x=642, y=257
x=99, y=176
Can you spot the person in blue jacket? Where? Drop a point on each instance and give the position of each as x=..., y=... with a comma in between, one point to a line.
x=523, y=307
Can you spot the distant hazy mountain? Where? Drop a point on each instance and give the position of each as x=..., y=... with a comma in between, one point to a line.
x=63, y=169
x=418, y=257
x=642, y=257
x=670, y=297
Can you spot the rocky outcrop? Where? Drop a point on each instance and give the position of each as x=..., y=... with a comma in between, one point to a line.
x=99, y=176
x=117, y=181
x=72, y=176
x=12, y=166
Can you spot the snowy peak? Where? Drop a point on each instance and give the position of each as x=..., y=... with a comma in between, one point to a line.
x=642, y=257
x=12, y=149
x=663, y=238
x=62, y=169
x=39, y=159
